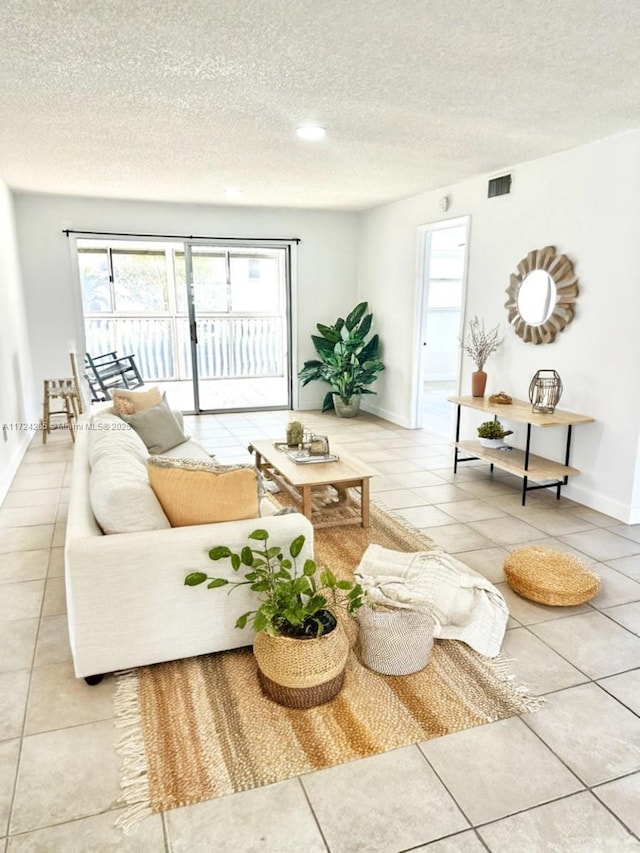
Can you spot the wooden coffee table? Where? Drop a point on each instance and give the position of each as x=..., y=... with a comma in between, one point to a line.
x=307, y=483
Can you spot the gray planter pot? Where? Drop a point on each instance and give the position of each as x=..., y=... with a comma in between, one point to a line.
x=346, y=410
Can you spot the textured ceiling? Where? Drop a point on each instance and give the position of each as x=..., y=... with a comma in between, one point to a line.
x=150, y=99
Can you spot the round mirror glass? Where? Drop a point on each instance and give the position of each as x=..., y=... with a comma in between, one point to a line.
x=541, y=295
x=536, y=297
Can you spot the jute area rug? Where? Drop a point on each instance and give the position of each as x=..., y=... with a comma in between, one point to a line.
x=200, y=728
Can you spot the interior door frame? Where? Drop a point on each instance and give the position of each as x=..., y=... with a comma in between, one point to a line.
x=421, y=291
x=225, y=245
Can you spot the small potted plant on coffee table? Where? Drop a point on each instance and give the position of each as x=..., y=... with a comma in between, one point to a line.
x=300, y=647
x=492, y=434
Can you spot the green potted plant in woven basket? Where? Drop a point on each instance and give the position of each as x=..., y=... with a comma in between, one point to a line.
x=300, y=647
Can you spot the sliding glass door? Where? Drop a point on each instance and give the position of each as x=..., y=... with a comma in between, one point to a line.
x=207, y=322
x=238, y=318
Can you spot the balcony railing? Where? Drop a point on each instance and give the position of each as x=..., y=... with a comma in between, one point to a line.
x=228, y=347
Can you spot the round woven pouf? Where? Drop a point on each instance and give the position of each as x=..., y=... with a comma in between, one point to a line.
x=301, y=673
x=550, y=577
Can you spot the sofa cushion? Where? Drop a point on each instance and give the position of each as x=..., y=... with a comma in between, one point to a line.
x=130, y=402
x=109, y=434
x=192, y=491
x=158, y=427
x=190, y=449
x=121, y=497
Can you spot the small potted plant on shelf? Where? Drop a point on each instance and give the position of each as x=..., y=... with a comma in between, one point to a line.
x=300, y=647
x=492, y=434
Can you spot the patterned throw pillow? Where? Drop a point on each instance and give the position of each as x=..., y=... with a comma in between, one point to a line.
x=130, y=402
x=158, y=427
x=192, y=491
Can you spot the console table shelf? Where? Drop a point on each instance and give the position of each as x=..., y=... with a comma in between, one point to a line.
x=522, y=463
x=513, y=462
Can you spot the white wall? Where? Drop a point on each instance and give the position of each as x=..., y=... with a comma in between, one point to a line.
x=326, y=263
x=583, y=201
x=17, y=406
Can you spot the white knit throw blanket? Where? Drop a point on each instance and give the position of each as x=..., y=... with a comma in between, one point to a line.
x=464, y=605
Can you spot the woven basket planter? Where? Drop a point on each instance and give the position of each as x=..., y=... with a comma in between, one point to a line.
x=550, y=577
x=395, y=641
x=301, y=673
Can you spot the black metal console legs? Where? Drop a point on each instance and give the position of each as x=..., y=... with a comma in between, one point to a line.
x=526, y=486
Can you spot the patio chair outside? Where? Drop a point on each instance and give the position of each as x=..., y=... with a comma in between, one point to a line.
x=108, y=371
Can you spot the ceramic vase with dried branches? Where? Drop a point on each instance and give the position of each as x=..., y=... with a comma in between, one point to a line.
x=479, y=343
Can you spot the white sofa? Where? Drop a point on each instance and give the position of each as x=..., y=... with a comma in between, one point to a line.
x=126, y=599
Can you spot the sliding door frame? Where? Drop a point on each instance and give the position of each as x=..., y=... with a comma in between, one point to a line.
x=289, y=245
x=225, y=246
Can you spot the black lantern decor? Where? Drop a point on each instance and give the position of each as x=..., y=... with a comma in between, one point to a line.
x=545, y=391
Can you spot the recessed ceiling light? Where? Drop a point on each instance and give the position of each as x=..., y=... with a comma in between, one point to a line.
x=233, y=192
x=312, y=132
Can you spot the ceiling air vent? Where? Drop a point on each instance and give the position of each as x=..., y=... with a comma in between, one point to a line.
x=500, y=186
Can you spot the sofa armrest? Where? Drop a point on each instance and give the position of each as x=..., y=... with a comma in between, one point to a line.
x=177, y=544
x=127, y=602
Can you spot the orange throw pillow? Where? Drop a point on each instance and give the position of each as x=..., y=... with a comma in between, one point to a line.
x=195, y=492
x=132, y=402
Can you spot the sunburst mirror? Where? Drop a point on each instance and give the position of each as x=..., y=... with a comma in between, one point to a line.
x=542, y=295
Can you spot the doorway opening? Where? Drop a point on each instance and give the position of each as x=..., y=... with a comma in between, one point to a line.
x=207, y=322
x=443, y=274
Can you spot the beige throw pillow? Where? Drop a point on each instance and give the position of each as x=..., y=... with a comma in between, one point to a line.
x=130, y=402
x=191, y=491
x=158, y=427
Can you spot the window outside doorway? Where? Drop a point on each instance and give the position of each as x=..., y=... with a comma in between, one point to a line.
x=443, y=282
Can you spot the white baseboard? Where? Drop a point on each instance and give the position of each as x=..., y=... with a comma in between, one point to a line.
x=616, y=509
x=308, y=407
x=14, y=463
x=366, y=405
x=634, y=515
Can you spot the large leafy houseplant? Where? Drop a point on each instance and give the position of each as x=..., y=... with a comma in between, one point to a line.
x=347, y=361
x=295, y=602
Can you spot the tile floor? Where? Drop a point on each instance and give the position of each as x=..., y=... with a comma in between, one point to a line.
x=566, y=778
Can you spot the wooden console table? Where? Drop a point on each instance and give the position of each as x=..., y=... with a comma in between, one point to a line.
x=522, y=463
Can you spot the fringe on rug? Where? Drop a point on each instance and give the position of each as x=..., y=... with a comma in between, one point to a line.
x=499, y=665
x=135, y=777
x=518, y=693
x=430, y=545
